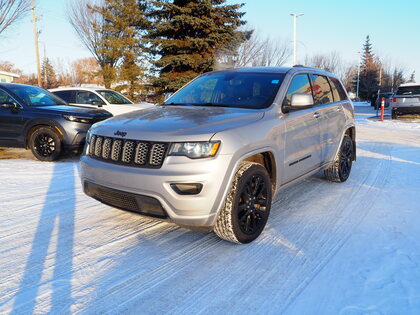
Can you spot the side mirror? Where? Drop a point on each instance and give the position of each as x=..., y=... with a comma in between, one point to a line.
x=299, y=101
x=168, y=95
x=96, y=103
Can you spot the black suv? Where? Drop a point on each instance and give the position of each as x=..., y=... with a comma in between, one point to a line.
x=31, y=117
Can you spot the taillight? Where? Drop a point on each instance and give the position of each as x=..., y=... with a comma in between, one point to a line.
x=394, y=99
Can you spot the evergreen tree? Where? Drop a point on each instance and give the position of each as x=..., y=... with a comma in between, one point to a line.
x=49, y=78
x=369, y=74
x=186, y=35
x=412, y=77
x=121, y=42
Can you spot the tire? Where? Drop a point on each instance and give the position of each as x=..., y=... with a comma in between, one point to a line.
x=394, y=115
x=340, y=170
x=45, y=144
x=247, y=206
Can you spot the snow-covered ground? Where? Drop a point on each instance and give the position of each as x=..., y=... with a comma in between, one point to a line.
x=351, y=248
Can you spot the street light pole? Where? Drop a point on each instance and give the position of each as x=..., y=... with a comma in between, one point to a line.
x=295, y=16
x=358, y=77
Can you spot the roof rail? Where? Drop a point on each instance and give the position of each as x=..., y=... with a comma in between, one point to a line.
x=302, y=66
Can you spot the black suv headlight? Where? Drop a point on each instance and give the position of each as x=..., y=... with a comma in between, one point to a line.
x=79, y=119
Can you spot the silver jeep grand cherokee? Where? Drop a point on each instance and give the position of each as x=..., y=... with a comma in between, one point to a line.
x=215, y=153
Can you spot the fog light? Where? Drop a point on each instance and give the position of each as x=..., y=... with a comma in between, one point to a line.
x=187, y=189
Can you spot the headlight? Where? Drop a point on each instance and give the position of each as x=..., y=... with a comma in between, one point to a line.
x=85, y=120
x=88, y=136
x=195, y=150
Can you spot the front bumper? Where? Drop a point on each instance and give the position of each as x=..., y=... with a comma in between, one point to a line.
x=190, y=210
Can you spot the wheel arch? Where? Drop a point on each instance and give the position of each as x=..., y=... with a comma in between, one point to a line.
x=31, y=127
x=351, y=132
x=267, y=160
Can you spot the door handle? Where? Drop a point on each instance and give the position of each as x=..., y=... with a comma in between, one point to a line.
x=317, y=114
x=339, y=109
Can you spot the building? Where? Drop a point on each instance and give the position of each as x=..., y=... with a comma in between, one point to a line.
x=8, y=76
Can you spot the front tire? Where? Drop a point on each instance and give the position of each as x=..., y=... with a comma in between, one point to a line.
x=247, y=206
x=340, y=170
x=45, y=144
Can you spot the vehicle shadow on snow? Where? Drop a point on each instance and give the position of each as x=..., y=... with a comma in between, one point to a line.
x=55, y=227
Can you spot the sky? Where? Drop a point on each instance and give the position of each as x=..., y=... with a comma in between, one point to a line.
x=326, y=26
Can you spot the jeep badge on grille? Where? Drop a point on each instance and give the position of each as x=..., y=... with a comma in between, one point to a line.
x=120, y=133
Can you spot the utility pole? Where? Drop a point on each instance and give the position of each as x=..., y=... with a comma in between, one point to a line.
x=38, y=63
x=295, y=16
x=358, y=77
x=45, y=62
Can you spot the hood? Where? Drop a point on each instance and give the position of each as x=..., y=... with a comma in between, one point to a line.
x=74, y=110
x=176, y=123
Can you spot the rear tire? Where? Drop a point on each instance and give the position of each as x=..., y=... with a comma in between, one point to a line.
x=247, y=206
x=45, y=144
x=394, y=115
x=340, y=170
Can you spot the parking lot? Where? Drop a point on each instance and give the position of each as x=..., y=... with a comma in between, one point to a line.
x=351, y=248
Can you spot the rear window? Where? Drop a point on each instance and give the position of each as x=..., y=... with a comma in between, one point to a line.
x=65, y=95
x=408, y=90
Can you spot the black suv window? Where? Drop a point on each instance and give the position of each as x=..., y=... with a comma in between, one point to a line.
x=299, y=84
x=86, y=97
x=65, y=95
x=321, y=89
x=408, y=90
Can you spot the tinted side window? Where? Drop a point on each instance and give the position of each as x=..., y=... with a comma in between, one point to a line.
x=299, y=84
x=334, y=91
x=65, y=95
x=321, y=89
x=337, y=85
x=86, y=97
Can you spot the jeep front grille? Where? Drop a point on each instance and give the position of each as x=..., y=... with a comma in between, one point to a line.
x=128, y=152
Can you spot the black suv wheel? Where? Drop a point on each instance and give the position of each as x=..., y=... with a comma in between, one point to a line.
x=247, y=205
x=45, y=144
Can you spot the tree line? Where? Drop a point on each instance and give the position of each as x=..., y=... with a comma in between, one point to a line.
x=160, y=45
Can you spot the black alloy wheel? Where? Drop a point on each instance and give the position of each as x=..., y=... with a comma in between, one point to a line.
x=346, y=158
x=45, y=144
x=252, y=205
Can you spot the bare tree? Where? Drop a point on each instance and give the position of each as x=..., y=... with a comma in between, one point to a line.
x=257, y=51
x=331, y=62
x=89, y=26
x=85, y=71
x=11, y=11
x=272, y=54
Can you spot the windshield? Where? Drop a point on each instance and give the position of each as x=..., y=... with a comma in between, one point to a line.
x=114, y=97
x=35, y=96
x=230, y=89
x=408, y=90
